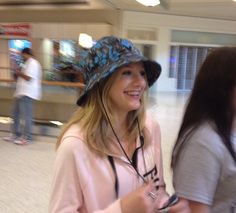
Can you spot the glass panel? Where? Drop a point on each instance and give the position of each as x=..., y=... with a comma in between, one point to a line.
x=183, y=53
x=150, y=35
x=185, y=62
x=174, y=57
x=202, y=37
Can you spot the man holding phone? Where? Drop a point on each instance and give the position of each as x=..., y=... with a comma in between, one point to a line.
x=28, y=89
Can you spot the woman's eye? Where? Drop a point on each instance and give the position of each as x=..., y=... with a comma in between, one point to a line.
x=126, y=73
x=143, y=73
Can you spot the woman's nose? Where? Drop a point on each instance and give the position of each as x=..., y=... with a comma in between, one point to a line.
x=140, y=80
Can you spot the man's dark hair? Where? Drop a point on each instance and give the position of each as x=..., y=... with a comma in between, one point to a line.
x=27, y=51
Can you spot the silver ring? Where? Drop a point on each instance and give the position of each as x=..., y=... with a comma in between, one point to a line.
x=152, y=195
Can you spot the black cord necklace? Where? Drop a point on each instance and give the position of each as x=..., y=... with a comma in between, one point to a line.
x=110, y=158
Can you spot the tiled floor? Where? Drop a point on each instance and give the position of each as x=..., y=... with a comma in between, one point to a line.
x=26, y=171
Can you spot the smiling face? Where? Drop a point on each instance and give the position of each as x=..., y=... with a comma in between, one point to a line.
x=128, y=87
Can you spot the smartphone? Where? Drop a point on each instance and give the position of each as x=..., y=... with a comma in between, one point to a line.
x=173, y=199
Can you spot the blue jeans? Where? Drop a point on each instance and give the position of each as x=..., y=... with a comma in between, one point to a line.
x=23, y=111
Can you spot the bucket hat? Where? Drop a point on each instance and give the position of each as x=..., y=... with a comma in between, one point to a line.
x=106, y=56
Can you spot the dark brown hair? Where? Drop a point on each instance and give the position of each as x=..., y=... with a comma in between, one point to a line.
x=27, y=51
x=211, y=99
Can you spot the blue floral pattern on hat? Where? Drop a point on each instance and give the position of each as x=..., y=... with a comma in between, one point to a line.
x=106, y=56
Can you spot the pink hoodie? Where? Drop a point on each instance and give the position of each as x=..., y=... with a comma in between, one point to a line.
x=85, y=183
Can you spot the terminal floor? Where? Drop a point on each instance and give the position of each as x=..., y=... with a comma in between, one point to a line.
x=26, y=171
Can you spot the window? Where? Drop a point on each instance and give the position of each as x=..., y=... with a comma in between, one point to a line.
x=185, y=62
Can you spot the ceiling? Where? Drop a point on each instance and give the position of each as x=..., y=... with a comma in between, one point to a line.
x=216, y=9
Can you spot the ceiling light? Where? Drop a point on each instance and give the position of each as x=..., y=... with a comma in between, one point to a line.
x=85, y=40
x=149, y=3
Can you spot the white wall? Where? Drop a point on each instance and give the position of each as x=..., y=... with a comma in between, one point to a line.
x=4, y=59
x=162, y=25
x=70, y=31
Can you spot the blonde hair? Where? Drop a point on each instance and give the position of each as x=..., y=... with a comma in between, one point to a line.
x=93, y=121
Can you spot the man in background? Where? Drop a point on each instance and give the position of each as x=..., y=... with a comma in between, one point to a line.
x=28, y=89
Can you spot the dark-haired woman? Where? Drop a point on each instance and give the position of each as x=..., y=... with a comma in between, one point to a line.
x=204, y=156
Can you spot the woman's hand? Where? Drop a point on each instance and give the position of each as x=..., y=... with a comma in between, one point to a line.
x=139, y=201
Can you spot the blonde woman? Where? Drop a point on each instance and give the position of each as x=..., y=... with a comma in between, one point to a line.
x=109, y=154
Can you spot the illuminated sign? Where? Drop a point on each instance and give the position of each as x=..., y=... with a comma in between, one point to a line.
x=15, y=30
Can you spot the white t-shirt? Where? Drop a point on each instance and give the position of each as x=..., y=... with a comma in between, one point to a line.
x=31, y=88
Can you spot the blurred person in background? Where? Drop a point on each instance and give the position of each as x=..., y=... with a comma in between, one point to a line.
x=28, y=89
